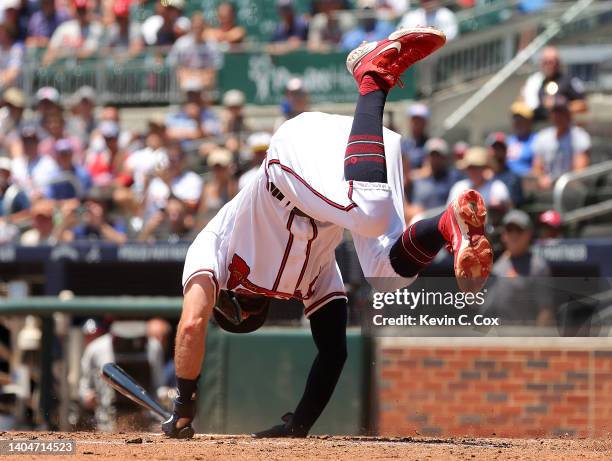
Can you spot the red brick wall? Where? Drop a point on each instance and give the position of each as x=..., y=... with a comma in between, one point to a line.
x=507, y=387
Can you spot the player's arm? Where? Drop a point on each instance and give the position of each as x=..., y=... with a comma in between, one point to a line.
x=198, y=303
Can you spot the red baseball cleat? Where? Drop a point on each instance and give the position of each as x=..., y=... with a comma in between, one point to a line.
x=388, y=59
x=462, y=225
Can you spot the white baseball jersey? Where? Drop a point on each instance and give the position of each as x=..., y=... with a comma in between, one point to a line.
x=278, y=235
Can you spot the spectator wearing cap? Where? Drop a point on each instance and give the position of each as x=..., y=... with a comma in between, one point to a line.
x=13, y=13
x=11, y=58
x=71, y=180
x=432, y=13
x=369, y=28
x=520, y=143
x=550, y=225
x=258, y=144
x=296, y=101
x=233, y=118
x=413, y=146
x=520, y=294
x=292, y=29
x=195, y=58
x=560, y=148
x=44, y=22
x=432, y=191
x=476, y=166
x=164, y=28
x=82, y=121
x=107, y=166
x=173, y=178
x=498, y=149
x=11, y=116
x=328, y=25
x=48, y=102
x=32, y=171
x=221, y=187
x=170, y=224
x=541, y=88
x=123, y=37
x=227, y=31
x=13, y=200
x=79, y=37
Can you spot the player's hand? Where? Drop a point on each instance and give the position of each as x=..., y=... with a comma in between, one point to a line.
x=179, y=424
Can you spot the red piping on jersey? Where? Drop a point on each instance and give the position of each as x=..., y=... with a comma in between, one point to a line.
x=213, y=276
x=317, y=303
x=314, y=236
x=318, y=194
x=281, y=269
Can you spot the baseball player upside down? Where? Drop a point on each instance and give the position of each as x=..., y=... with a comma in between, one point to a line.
x=276, y=239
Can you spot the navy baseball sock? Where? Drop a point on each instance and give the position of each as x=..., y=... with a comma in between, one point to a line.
x=365, y=152
x=328, y=326
x=417, y=247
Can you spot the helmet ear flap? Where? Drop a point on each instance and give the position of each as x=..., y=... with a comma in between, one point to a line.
x=232, y=317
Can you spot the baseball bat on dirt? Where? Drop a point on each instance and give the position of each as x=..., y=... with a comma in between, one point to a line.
x=119, y=380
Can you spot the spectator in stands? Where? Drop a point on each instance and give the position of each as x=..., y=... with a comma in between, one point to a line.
x=47, y=103
x=520, y=144
x=432, y=191
x=82, y=120
x=550, y=225
x=107, y=166
x=13, y=200
x=11, y=115
x=561, y=147
x=175, y=179
x=14, y=16
x=258, y=144
x=194, y=58
x=292, y=30
x=164, y=28
x=123, y=37
x=170, y=224
x=91, y=221
x=498, y=148
x=44, y=22
x=79, y=37
x=125, y=342
x=195, y=120
x=222, y=186
x=370, y=27
x=542, y=88
x=476, y=166
x=413, y=147
x=141, y=164
x=227, y=30
x=11, y=58
x=431, y=13
x=32, y=171
x=328, y=25
x=520, y=294
x=296, y=101
x=71, y=180
x=233, y=119
x=42, y=230
x=55, y=127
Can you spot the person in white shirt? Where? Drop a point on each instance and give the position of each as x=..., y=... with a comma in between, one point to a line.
x=475, y=164
x=432, y=14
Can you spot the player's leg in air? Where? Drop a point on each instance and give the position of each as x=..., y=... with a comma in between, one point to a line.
x=377, y=67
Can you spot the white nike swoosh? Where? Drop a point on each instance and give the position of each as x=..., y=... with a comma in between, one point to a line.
x=396, y=45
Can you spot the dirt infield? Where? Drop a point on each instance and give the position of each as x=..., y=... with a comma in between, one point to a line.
x=139, y=446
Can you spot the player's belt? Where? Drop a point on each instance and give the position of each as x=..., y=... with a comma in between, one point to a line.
x=278, y=195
